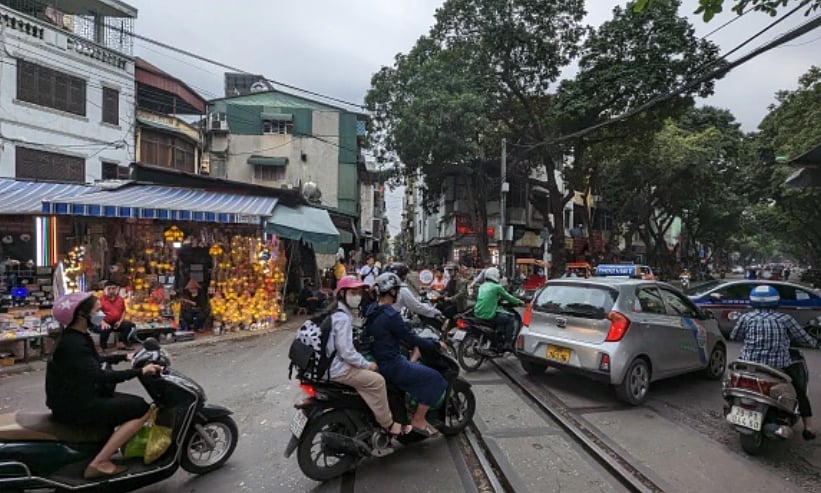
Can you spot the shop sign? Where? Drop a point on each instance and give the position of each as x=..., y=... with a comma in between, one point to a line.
x=246, y=219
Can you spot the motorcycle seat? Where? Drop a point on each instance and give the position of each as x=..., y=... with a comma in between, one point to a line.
x=484, y=323
x=42, y=427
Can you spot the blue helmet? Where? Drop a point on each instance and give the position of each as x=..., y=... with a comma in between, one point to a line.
x=764, y=297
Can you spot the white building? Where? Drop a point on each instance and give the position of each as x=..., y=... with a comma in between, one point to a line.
x=66, y=90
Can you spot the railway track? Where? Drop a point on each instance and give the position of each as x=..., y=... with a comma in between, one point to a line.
x=622, y=471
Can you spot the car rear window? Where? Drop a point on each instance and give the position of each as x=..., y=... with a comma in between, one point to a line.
x=577, y=301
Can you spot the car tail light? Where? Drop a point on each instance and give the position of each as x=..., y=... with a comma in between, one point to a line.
x=309, y=389
x=618, y=326
x=520, y=343
x=604, y=363
x=461, y=324
x=528, y=313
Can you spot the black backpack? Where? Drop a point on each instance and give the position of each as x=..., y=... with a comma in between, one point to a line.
x=308, y=353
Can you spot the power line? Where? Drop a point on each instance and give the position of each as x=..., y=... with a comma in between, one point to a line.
x=790, y=35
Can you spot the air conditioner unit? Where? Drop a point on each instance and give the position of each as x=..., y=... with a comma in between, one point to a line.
x=217, y=122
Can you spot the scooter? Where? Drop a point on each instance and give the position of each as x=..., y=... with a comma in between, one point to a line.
x=333, y=429
x=760, y=402
x=479, y=340
x=38, y=453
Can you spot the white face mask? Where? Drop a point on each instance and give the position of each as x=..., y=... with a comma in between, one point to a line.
x=97, y=318
x=353, y=300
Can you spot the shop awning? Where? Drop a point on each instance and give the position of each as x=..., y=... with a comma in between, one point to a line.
x=307, y=224
x=166, y=203
x=268, y=161
x=26, y=197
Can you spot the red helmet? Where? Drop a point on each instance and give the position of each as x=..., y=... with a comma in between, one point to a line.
x=66, y=305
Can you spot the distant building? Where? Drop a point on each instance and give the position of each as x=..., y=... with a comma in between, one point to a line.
x=66, y=90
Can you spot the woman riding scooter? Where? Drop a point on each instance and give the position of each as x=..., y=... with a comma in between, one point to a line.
x=76, y=383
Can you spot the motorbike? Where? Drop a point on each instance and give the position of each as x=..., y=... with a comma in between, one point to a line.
x=479, y=340
x=333, y=430
x=37, y=452
x=760, y=402
x=684, y=279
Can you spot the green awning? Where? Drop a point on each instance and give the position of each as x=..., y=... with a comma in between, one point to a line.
x=307, y=224
x=279, y=117
x=268, y=161
x=345, y=237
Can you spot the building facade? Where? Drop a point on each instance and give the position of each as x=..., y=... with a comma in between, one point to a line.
x=66, y=90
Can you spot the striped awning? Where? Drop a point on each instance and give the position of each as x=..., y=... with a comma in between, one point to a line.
x=26, y=197
x=166, y=203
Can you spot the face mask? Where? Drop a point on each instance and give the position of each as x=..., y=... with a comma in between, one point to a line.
x=97, y=318
x=353, y=300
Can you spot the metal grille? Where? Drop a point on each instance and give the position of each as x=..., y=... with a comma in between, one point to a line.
x=49, y=166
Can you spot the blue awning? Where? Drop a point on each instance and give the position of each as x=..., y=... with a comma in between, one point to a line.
x=26, y=197
x=166, y=203
x=307, y=224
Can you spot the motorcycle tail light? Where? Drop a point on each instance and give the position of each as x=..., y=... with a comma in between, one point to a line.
x=618, y=326
x=461, y=324
x=528, y=314
x=309, y=389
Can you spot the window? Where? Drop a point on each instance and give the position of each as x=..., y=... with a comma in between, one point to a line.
x=113, y=171
x=787, y=293
x=678, y=306
x=269, y=173
x=111, y=106
x=650, y=301
x=46, y=87
x=280, y=127
x=168, y=151
x=42, y=165
x=576, y=301
x=735, y=292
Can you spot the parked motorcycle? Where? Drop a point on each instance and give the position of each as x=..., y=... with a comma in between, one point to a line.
x=479, y=340
x=37, y=452
x=333, y=429
x=760, y=402
x=684, y=279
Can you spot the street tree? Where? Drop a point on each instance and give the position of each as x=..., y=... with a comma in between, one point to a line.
x=709, y=8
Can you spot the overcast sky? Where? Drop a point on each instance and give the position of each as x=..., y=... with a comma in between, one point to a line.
x=334, y=47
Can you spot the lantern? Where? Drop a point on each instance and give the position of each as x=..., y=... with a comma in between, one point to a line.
x=174, y=236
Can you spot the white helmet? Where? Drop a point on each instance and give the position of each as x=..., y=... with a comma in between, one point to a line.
x=492, y=274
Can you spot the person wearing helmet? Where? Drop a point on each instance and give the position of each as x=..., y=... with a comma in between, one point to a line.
x=349, y=367
x=456, y=292
x=487, y=305
x=767, y=335
x=389, y=331
x=75, y=379
x=406, y=298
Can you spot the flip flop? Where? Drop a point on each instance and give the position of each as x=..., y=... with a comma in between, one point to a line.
x=94, y=473
x=808, y=435
x=428, y=431
x=403, y=429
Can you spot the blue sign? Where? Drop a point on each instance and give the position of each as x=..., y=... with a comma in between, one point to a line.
x=605, y=270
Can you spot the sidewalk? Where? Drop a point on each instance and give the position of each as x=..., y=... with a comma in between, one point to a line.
x=202, y=339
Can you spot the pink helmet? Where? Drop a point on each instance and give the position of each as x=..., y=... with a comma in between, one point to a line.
x=65, y=306
x=349, y=282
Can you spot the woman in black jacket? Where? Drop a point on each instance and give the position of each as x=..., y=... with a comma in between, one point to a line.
x=76, y=383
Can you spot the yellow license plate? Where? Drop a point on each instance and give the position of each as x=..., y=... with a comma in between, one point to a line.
x=557, y=353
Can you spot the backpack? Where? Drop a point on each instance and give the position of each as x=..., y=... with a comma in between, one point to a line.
x=308, y=353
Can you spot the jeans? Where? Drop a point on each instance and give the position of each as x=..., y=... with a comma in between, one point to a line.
x=508, y=323
x=122, y=330
x=798, y=372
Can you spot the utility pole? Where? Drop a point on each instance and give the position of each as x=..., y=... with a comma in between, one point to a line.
x=502, y=215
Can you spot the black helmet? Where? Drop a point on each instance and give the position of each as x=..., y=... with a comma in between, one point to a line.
x=399, y=269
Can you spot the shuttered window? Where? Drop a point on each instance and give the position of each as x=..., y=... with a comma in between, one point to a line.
x=111, y=106
x=41, y=165
x=51, y=88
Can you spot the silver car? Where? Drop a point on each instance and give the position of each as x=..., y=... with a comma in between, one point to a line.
x=624, y=332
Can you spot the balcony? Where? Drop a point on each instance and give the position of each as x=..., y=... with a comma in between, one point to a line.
x=101, y=29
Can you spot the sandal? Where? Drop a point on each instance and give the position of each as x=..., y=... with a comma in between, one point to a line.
x=428, y=431
x=403, y=429
x=808, y=435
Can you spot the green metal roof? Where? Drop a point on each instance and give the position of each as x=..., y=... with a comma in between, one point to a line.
x=268, y=161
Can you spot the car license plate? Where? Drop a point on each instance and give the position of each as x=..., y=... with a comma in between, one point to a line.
x=558, y=353
x=298, y=423
x=745, y=417
x=460, y=335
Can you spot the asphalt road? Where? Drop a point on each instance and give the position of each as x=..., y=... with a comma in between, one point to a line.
x=250, y=377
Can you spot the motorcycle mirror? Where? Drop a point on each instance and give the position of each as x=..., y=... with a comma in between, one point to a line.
x=151, y=344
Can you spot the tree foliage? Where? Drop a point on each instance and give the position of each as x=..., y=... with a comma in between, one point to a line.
x=709, y=8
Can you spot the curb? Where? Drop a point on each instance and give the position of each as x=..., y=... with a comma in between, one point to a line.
x=291, y=324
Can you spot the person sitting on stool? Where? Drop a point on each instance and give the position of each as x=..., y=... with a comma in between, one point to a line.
x=195, y=308
x=113, y=306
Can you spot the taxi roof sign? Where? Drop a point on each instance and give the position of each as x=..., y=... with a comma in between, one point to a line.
x=612, y=270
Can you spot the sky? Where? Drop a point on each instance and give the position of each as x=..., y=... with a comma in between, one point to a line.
x=333, y=47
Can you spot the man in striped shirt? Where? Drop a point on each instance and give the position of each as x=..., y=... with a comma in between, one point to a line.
x=767, y=335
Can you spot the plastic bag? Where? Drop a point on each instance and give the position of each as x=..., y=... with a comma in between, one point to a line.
x=159, y=439
x=136, y=445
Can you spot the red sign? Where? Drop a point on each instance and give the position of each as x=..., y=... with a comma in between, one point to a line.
x=464, y=227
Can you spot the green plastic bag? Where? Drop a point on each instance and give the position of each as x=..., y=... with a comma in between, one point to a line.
x=136, y=445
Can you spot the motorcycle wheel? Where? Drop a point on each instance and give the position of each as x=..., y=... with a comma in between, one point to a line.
x=460, y=407
x=314, y=461
x=469, y=360
x=752, y=443
x=197, y=458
